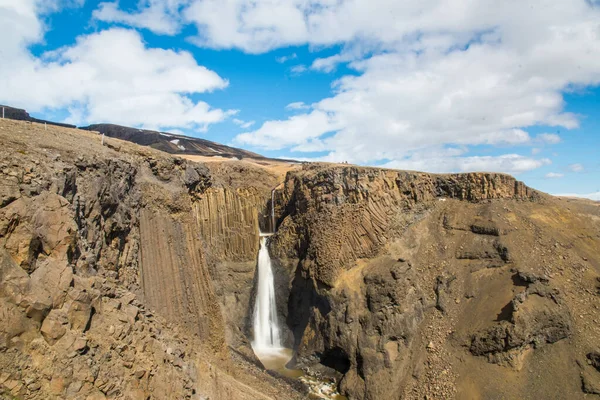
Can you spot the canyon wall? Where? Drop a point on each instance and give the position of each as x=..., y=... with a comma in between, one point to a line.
x=335, y=215
x=402, y=279
x=129, y=273
x=229, y=216
x=105, y=287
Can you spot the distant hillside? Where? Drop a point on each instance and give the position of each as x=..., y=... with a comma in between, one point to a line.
x=22, y=115
x=167, y=142
x=171, y=143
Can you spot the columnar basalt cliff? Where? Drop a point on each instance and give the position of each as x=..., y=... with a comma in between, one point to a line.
x=320, y=201
x=129, y=273
x=230, y=216
x=404, y=280
x=105, y=289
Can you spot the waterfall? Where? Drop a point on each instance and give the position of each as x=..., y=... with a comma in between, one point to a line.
x=266, y=329
x=273, y=209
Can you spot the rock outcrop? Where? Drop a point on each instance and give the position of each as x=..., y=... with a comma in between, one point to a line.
x=533, y=318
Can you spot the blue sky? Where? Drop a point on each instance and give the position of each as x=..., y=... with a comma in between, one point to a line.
x=440, y=86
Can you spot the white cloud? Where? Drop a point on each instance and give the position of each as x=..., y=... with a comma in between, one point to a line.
x=159, y=16
x=548, y=138
x=297, y=105
x=353, y=51
x=243, y=124
x=554, y=175
x=509, y=163
x=591, y=196
x=254, y=26
x=109, y=76
x=419, y=89
x=328, y=64
x=276, y=135
x=283, y=59
x=576, y=167
x=428, y=73
x=298, y=69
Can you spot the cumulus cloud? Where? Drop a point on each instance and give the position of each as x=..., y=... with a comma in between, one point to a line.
x=106, y=76
x=554, y=175
x=577, y=167
x=427, y=73
x=510, y=163
x=298, y=69
x=494, y=71
x=159, y=16
x=277, y=135
x=548, y=138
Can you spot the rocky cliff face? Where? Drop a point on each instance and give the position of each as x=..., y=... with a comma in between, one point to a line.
x=320, y=201
x=126, y=272
x=105, y=288
x=405, y=283
x=230, y=215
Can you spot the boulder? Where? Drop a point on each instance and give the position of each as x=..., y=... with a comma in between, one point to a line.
x=54, y=326
x=594, y=359
x=79, y=309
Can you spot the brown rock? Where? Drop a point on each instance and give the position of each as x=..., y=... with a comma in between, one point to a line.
x=132, y=312
x=57, y=385
x=80, y=345
x=590, y=382
x=79, y=309
x=54, y=326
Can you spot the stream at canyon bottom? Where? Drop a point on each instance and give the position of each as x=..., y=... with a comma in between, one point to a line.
x=277, y=359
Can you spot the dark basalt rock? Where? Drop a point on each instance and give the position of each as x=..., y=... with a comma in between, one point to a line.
x=442, y=291
x=485, y=230
x=534, y=317
x=196, y=178
x=594, y=358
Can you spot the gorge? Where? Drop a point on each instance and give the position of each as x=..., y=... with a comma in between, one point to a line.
x=130, y=273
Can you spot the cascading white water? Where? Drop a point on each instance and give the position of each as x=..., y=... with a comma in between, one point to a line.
x=273, y=210
x=267, y=341
x=266, y=328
